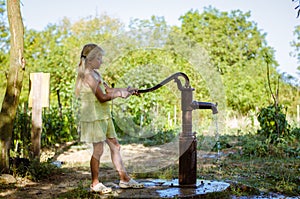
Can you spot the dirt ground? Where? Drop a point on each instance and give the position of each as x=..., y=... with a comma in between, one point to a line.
x=137, y=159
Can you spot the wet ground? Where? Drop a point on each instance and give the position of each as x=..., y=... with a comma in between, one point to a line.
x=156, y=188
x=136, y=158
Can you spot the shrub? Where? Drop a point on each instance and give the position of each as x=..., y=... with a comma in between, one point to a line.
x=273, y=123
x=59, y=126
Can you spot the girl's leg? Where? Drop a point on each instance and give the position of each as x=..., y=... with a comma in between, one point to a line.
x=95, y=161
x=117, y=159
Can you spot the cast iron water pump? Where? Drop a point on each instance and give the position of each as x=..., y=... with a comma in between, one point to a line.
x=187, y=139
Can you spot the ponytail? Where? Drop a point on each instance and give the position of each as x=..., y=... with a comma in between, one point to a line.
x=80, y=76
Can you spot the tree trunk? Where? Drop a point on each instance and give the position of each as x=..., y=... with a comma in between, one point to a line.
x=14, y=81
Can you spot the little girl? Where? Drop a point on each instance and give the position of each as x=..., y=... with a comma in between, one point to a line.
x=96, y=121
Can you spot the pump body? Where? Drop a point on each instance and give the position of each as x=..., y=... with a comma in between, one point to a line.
x=187, y=139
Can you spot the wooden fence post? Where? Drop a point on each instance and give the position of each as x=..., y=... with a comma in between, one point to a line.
x=38, y=98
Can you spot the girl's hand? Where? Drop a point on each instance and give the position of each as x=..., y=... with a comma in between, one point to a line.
x=133, y=91
x=129, y=91
x=125, y=93
x=121, y=92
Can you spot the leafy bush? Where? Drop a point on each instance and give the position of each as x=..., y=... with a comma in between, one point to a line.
x=254, y=147
x=161, y=137
x=21, y=132
x=41, y=170
x=296, y=133
x=274, y=138
x=273, y=123
x=59, y=126
x=257, y=146
x=34, y=170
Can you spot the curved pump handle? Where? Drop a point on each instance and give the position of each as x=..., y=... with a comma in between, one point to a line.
x=175, y=77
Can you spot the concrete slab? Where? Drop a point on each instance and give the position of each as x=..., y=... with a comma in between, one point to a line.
x=157, y=188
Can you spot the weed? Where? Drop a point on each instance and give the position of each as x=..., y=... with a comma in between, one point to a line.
x=40, y=170
x=265, y=173
x=79, y=192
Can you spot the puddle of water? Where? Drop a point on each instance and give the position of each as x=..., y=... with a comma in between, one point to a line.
x=171, y=188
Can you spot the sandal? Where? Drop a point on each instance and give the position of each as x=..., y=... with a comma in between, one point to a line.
x=131, y=184
x=100, y=188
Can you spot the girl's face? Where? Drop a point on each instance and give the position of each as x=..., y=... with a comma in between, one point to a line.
x=96, y=62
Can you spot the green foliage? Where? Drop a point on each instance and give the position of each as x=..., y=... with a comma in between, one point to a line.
x=59, y=126
x=34, y=170
x=255, y=148
x=258, y=146
x=296, y=44
x=274, y=174
x=21, y=136
x=296, y=132
x=46, y=52
x=144, y=56
x=274, y=138
x=230, y=38
x=251, y=162
x=41, y=170
x=237, y=49
x=139, y=68
x=159, y=138
x=222, y=143
x=79, y=192
x=273, y=123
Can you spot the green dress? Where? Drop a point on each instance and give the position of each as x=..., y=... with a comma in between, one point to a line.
x=95, y=117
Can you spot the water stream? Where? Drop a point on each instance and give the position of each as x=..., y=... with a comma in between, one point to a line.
x=218, y=144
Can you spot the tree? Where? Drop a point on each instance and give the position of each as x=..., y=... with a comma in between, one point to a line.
x=14, y=81
x=237, y=50
x=296, y=45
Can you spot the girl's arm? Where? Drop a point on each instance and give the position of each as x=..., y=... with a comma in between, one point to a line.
x=132, y=91
x=109, y=95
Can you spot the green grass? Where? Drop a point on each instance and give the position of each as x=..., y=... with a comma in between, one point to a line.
x=268, y=174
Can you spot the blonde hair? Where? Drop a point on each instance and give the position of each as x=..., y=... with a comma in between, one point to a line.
x=89, y=52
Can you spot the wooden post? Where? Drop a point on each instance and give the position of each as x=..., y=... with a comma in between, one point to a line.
x=38, y=98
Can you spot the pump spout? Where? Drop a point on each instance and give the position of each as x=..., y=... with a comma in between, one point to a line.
x=205, y=105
